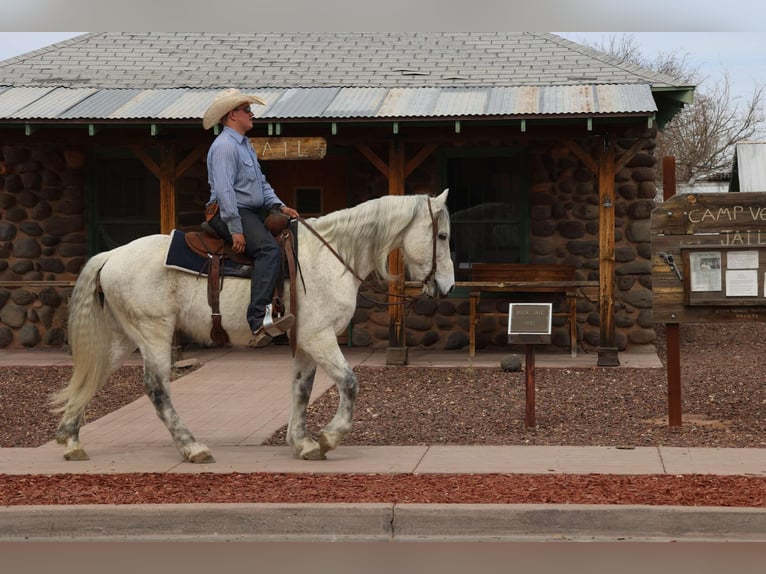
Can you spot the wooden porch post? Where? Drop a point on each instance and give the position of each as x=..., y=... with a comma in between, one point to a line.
x=607, y=352
x=397, y=347
x=167, y=173
x=167, y=188
x=396, y=171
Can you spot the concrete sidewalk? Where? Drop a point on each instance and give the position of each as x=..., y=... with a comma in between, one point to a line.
x=233, y=412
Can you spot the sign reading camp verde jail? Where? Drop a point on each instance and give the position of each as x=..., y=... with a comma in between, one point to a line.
x=268, y=149
x=709, y=258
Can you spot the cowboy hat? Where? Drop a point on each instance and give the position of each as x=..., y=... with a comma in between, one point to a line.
x=224, y=102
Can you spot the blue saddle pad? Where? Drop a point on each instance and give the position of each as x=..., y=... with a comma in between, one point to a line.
x=180, y=257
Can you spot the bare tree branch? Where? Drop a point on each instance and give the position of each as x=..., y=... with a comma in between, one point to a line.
x=703, y=135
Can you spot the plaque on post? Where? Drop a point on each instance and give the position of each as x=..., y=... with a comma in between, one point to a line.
x=530, y=324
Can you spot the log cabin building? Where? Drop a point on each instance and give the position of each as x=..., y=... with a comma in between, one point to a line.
x=547, y=147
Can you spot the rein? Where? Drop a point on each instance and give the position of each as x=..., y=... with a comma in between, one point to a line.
x=405, y=298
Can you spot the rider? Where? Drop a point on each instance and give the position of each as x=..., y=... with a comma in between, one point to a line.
x=244, y=198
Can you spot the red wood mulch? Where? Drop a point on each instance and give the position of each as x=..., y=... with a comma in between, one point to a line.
x=156, y=488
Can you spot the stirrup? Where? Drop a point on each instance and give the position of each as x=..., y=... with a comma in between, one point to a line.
x=278, y=327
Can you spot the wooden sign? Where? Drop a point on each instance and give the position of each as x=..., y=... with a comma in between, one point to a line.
x=270, y=149
x=709, y=258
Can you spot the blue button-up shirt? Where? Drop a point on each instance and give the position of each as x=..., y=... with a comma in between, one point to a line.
x=236, y=179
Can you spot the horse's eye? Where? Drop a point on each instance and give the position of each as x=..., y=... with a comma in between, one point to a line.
x=442, y=236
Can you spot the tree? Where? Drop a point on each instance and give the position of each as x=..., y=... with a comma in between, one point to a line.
x=702, y=136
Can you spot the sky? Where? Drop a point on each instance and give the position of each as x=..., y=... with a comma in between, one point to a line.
x=741, y=54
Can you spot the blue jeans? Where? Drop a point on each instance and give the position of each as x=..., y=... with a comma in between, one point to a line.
x=261, y=246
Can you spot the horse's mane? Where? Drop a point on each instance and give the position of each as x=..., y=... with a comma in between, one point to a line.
x=369, y=230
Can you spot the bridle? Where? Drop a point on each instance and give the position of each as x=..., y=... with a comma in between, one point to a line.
x=434, y=234
x=405, y=299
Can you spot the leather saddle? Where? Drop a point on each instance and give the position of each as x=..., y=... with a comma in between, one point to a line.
x=207, y=242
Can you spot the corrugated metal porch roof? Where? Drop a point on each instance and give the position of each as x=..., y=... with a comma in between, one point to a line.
x=54, y=104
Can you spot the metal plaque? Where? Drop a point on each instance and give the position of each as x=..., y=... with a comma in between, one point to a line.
x=530, y=323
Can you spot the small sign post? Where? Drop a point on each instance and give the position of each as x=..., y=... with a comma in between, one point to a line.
x=530, y=324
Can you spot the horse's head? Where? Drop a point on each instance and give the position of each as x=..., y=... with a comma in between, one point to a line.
x=426, y=248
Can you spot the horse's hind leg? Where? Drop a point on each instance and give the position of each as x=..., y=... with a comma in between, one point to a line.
x=68, y=434
x=88, y=376
x=157, y=387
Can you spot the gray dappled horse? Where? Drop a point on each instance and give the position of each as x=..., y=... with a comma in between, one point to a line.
x=127, y=299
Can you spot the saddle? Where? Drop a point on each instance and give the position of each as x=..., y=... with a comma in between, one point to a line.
x=208, y=244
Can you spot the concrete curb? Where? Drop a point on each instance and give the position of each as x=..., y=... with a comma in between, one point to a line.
x=379, y=522
x=577, y=522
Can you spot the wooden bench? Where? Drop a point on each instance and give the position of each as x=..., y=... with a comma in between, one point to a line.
x=523, y=278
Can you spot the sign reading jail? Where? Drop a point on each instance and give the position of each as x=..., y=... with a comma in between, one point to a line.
x=709, y=258
x=269, y=149
x=530, y=323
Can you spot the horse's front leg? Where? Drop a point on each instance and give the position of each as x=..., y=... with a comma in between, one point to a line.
x=156, y=385
x=332, y=434
x=304, y=371
x=335, y=365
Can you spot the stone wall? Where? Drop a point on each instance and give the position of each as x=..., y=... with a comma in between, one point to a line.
x=43, y=241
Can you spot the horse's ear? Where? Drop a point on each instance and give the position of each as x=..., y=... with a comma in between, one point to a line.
x=442, y=197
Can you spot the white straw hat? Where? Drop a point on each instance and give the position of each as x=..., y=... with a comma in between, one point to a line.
x=224, y=102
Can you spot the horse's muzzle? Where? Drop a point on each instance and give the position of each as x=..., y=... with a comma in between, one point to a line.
x=433, y=289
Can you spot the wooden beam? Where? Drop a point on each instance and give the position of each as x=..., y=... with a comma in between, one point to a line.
x=582, y=155
x=147, y=160
x=194, y=155
x=628, y=155
x=167, y=172
x=607, y=353
x=365, y=150
x=395, y=261
x=167, y=188
x=419, y=158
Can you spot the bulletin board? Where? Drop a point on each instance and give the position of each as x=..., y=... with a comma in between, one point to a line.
x=709, y=258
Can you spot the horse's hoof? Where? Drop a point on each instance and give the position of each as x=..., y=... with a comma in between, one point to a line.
x=313, y=454
x=197, y=453
x=77, y=454
x=201, y=458
x=310, y=451
x=329, y=441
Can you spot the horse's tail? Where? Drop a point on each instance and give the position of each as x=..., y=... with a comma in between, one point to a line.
x=89, y=340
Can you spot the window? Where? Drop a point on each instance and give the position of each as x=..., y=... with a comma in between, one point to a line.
x=488, y=206
x=126, y=202
x=308, y=201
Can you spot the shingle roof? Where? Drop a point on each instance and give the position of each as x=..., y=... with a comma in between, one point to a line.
x=117, y=76
x=319, y=59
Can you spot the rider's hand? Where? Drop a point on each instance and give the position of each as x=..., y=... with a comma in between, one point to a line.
x=238, y=242
x=289, y=211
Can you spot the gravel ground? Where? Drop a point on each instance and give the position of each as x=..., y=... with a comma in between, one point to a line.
x=724, y=403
